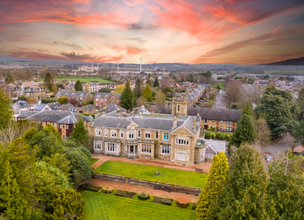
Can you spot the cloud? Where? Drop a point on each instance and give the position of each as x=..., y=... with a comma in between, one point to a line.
x=262, y=39
x=129, y=50
x=71, y=45
x=36, y=55
x=90, y=57
x=42, y=51
x=139, y=26
x=138, y=39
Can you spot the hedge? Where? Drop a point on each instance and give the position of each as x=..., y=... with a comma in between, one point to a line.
x=217, y=135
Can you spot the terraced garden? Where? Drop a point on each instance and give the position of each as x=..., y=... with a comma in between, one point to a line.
x=108, y=206
x=92, y=161
x=144, y=172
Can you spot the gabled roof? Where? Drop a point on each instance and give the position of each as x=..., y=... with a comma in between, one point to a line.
x=100, y=95
x=64, y=93
x=54, y=105
x=66, y=106
x=88, y=107
x=58, y=116
x=112, y=122
x=25, y=114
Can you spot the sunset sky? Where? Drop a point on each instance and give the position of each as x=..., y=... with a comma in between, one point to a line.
x=188, y=31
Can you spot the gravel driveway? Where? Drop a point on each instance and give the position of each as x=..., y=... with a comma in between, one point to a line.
x=219, y=101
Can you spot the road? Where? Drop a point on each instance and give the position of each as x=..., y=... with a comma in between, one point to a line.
x=219, y=101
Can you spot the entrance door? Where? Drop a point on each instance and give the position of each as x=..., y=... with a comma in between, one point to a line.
x=131, y=149
x=181, y=155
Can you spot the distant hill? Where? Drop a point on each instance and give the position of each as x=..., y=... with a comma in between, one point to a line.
x=296, y=62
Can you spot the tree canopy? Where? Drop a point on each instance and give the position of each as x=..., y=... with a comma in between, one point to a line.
x=80, y=134
x=105, y=90
x=215, y=183
x=138, y=89
x=147, y=93
x=156, y=83
x=5, y=109
x=127, y=98
x=9, y=79
x=63, y=100
x=78, y=86
x=48, y=81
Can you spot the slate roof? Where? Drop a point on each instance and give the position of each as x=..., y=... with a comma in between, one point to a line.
x=114, y=107
x=21, y=104
x=25, y=114
x=54, y=105
x=88, y=107
x=64, y=93
x=100, y=95
x=205, y=113
x=66, y=106
x=79, y=94
x=112, y=122
x=58, y=116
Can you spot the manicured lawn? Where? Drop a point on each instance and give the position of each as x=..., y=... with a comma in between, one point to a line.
x=101, y=206
x=82, y=79
x=93, y=161
x=137, y=171
x=221, y=85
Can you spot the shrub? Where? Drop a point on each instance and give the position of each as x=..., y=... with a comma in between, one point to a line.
x=207, y=134
x=166, y=201
x=44, y=100
x=212, y=129
x=121, y=193
x=90, y=187
x=107, y=189
x=194, y=206
x=182, y=202
x=52, y=96
x=143, y=196
x=220, y=136
x=212, y=135
x=227, y=137
x=23, y=98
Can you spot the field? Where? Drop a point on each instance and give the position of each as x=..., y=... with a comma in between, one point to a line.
x=82, y=79
x=92, y=161
x=137, y=171
x=221, y=85
x=101, y=206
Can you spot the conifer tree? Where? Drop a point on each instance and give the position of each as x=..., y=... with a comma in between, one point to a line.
x=127, y=98
x=48, y=81
x=156, y=83
x=6, y=112
x=138, y=88
x=215, y=183
x=78, y=86
x=9, y=79
x=287, y=186
x=80, y=133
x=244, y=133
x=245, y=193
x=247, y=109
x=147, y=93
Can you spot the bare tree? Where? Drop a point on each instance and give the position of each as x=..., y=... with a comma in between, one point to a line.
x=263, y=131
x=234, y=93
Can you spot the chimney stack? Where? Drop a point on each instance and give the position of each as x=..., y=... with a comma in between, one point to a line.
x=118, y=112
x=174, y=122
x=140, y=114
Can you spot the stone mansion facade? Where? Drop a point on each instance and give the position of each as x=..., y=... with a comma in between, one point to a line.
x=146, y=136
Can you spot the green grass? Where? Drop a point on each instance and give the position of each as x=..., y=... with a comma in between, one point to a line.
x=221, y=85
x=100, y=206
x=93, y=161
x=82, y=79
x=180, y=177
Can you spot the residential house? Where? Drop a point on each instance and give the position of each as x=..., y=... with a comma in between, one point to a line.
x=77, y=98
x=63, y=121
x=100, y=100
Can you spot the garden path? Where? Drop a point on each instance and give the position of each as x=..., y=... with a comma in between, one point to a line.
x=139, y=189
x=155, y=162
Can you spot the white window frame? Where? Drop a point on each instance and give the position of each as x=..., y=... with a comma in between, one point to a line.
x=131, y=134
x=206, y=120
x=222, y=121
x=165, y=149
x=113, y=134
x=97, y=145
x=181, y=155
x=121, y=134
x=67, y=126
x=156, y=134
x=229, y=122
x=146, y=148
x=182, y=140
x=97, y=132
x=111, y=147
x=105, y=132
x=138, y=133
x=147, y=134
x=228, y=128
x=60, y=126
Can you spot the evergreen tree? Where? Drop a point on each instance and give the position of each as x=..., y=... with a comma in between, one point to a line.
x=48, y=81
x=156, y=83
x=287, y=186
x=245, y=193
x=147, y=93
x=78, y=86
x=247, y=109
x=80, y=134
x=9, y=79
x=138, y=89
x=149, y=80
x=215, y=183
x=298, y=132
x=27, y=136
x=276, y=106
x=65, y=204
x=244, y=133
x=5, y=109
x=127, y=98
x=301, y=103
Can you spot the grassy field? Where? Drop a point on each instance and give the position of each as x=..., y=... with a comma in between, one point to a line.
x=107, y=206
x=220, y=84
x=137, y=171
x=82, y=79
x=93, y=161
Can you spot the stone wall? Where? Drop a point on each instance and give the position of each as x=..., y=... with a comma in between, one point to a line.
x=150, y=184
